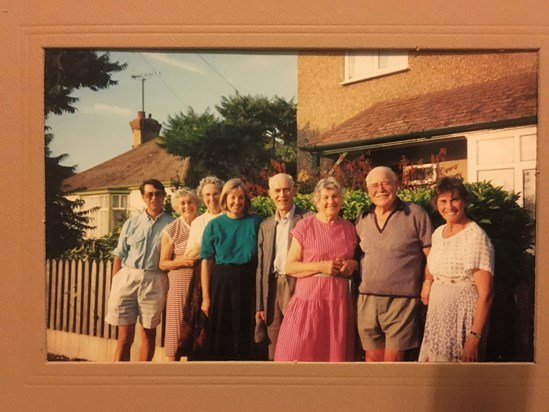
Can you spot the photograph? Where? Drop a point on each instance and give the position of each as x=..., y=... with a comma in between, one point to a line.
x=403, y=120
x=425, y=115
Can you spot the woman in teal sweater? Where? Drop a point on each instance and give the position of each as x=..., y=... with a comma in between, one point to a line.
x=229, y=260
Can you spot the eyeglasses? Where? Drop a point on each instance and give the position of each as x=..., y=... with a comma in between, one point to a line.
x=150, y=195
x=374, y=187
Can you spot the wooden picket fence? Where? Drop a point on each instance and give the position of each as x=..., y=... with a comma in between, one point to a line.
x=77, y=294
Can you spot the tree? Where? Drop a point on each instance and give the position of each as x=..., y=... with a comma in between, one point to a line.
x=66, y=71
x=70, y=70
x=239, y=141
x=65, y=222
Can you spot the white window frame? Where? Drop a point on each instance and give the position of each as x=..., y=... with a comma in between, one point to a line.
x=369, y=64
x=103, y=218
x=119, y=207
x=100, y=217
x=519, y=166
x=430, y=169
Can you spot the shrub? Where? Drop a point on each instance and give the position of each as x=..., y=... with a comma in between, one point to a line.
x=263, y=206
x=95, y=249
x=511, y=229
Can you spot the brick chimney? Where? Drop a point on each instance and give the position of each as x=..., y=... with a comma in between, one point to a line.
x=143, y=129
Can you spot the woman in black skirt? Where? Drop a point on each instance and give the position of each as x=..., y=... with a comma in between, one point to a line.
x=228, y=286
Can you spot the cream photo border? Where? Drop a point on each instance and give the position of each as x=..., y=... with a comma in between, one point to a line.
x=29, y=382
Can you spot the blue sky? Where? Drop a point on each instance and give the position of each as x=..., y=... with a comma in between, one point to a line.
x=100, y=129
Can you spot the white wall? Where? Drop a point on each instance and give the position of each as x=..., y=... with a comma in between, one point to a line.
x=93, y=348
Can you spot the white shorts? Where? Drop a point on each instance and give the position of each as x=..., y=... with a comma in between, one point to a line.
x=137, y=293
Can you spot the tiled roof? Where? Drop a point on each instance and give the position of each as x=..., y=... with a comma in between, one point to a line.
x=129, y=169
x=505, y=99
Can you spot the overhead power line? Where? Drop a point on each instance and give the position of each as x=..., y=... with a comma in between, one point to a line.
x=163, y=81
x=217, y=71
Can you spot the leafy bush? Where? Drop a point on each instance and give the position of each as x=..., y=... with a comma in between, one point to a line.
x=509, y=226
x=304, y=201
x=263, y=206
x=94, y=249
x=511, y=229
x=354, y=201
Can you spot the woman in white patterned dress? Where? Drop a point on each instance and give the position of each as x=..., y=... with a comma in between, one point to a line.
x=458, y=287
x=172, y=258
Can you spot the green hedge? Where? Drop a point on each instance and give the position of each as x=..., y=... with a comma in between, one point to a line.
x=509, y=226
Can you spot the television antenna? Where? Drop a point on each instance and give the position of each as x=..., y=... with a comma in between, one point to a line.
x=143, y=77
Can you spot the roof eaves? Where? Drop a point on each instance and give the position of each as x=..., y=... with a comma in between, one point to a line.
x=419, y=135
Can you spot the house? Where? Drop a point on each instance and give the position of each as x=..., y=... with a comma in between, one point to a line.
x=402, y=108
x=112, y=187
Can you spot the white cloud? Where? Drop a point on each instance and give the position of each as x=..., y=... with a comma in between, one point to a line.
x=172, y=61
x=109, y=109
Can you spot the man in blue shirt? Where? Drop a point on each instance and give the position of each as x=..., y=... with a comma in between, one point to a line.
x=139, y=287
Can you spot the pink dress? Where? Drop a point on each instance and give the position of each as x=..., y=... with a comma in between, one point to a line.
x=319, y=323
x=178, y=232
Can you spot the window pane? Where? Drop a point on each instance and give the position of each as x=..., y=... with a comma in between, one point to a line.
x=492, y=151
x=528, y=147
x=363, y=65
x=118, y=218
x=359, y=65
x=384, y=61
x=499, y=177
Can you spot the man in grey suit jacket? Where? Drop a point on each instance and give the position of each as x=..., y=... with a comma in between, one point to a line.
x=273, y=287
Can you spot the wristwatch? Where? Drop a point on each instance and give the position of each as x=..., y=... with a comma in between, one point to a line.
x=475, y=334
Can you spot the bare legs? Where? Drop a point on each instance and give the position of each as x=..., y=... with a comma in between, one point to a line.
x=148, y=338
x=125, y=341
x=126, y=335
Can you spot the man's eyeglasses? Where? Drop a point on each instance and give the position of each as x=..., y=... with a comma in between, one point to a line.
x=150, y=195
x=374, y=187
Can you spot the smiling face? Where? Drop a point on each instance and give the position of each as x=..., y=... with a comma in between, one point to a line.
x=154, y=199
x=281, y=192
x=329, y=203
x=236, y=201
x=382, y=188
x=451, y=207
x=186, y=205
x=210, y=197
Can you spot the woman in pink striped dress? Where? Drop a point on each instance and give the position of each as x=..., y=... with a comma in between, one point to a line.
x=319, y=322
x=172, y=258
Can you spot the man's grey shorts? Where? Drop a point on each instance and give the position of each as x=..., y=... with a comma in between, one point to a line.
x=388, y=322
x=137, y=293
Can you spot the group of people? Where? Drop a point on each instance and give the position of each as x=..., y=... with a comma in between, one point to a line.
x=305, y=286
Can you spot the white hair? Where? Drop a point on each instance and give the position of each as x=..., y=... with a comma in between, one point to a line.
x=386, y=170
x=329, y=183
x=289, y=178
